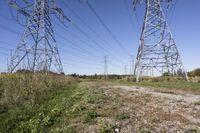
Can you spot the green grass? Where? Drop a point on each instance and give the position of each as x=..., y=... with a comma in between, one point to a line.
x=90, y=116
x=158, y=82
x=122, y=116
x=40, y=117
x=62, y=111
x=186, y=86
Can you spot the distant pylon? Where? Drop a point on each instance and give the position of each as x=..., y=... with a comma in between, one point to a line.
x=157, y=50
x=125, y=69
x=132, y=65
x=37, y=49
x=105, y=66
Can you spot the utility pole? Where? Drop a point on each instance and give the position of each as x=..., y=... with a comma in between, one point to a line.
x=157, y=50
x=37, y=49
x=105, y=67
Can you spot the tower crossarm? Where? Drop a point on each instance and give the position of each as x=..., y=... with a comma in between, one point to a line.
x=137, y=2
x=27, y=7
x=24, y=10
x=55, y=9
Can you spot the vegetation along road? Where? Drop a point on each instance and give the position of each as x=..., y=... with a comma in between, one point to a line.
x=102, y=107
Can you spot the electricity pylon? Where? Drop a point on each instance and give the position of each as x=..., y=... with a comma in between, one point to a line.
x=157, y=50
x=106, y=66
x=37, y=49
x=125, y=70
x=132, y=65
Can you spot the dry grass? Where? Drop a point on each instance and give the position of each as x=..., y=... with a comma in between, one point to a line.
x=15, y=89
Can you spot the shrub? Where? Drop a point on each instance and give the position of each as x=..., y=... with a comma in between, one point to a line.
x=194, y=73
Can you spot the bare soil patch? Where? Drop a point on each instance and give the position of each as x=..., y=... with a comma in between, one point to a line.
x=154, y=110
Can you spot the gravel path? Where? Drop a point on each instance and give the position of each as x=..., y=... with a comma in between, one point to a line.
x=160, y=110
x=176, y=96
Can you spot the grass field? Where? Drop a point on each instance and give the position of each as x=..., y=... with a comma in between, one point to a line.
x=67, y=105
x=67, y=110
x=185, y=86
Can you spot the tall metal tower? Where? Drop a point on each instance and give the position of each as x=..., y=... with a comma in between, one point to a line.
x=157, y=51
x=125, y=69
x=105, y=66
x=37, y=49
x=132, y=65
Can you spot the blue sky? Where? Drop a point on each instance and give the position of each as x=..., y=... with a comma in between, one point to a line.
x=83, y=51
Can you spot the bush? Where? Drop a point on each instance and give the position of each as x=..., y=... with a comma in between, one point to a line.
x=194, y=73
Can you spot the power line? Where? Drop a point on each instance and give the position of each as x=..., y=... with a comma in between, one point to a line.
x=5, y=17
x=9, y=29
x=17, y=33
x=60, y=51
x=173, y=11
x=95, y=42
x=89, y=27
x=13, y=31
x=106, y=27
x=4, y=53
x=80, y=61
x=128, y=11
x=76, y=55
x=79, y=29
x=70, y=42
x=137, y=23
x=86, y=35
x=9, y=44
x=82, y=67
x=4, y=48
x=130, y=16
x=71, y=33
x=75, y=45
x=90, y=38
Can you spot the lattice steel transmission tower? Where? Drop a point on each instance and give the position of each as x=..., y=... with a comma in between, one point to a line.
x=37, y=49
x=157, y=51
x=106, y=66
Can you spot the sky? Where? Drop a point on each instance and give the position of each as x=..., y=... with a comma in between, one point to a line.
x=84, y=43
